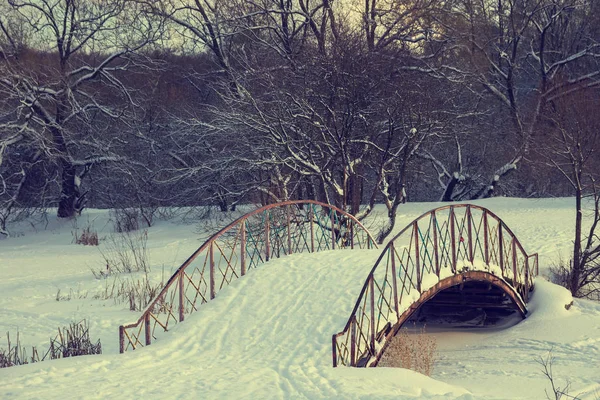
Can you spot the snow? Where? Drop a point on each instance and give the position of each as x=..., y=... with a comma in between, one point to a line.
x=268, y=335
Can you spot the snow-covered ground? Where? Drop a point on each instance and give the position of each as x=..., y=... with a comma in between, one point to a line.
x=269, y=334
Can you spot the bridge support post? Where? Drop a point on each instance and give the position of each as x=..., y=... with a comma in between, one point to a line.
x=181, y=295
x=331, y=216
x=267, y=241
x=435, y=245
x=311, y=217
x=147, y=332
x=486, y=239
x=243, y=248
x=372, y=296
x=417, y=255
x=121, y=339
x=514, y=260
x=501, y=247
x=394, y=279
x=289, y=227
x=353, y=341
x=212, y=270
x=470, y=233
x=453, y=238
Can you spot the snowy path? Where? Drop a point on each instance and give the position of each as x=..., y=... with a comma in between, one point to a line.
x=267, y=336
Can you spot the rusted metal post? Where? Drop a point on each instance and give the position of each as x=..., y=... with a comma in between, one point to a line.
x=243, y=248
x=147, y=329
x=372, y=290
x=435, y=244
x=527, y=274
x=453, y=239
x=417, y=255
x=121, y=339
x=470, y=233
x=501, y=247
x=334, y=350
x=486, y=238
x=353, y=341
x=267, y=241
x=514, y=260
x=311, y=216
x=331, y=212
x=394, y=281
x=289, y=233
x=212, y=269
x=181, y=296
x=352, y=234
x=537, y=265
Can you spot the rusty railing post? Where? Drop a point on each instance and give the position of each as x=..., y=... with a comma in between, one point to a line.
x=331, y=212
x=470, y=233
x=514, y=260
x=372, y=338
x=181, y=296
x=267, y=240
x=417, y=255
x=527, y=275
x=501, y=247
x=311, y=216
x=352, y=235
x=453, y=239
x=394, y=281
x=289, y=227
x=334, y=350
x=486, y=238
x=243, y=248
x=121, y=339
x=435, y=244
x=147, y=332
x=353, y=341
x=212, y=269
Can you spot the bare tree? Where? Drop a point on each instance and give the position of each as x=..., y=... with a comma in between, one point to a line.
x=571, y=145
x=519, y=55
x=57, y=89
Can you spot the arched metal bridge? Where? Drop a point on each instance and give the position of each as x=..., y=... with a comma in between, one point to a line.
x=443, y=248
x=253, y=239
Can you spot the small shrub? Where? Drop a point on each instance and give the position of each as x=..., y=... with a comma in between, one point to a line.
x=560, y=273
x=126, y=219
x=87, y=237
x=124, y=253
x=415, y=351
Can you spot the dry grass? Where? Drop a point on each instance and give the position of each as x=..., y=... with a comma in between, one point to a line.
x=125, y=252
x=71, y=341
x=138, y=293
x=416, y=351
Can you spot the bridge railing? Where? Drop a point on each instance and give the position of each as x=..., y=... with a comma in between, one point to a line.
x=253, y=239
x=440, y=243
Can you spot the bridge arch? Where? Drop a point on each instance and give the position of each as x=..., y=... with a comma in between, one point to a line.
x=439, y=249
x=248, y=242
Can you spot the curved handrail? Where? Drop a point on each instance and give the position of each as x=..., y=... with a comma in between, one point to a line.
x=443, y=242
x=253, y=239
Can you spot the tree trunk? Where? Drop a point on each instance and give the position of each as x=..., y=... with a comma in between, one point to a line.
x=69, y=191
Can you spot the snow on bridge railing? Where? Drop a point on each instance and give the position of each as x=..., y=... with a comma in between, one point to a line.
x=253, y=239
x=441, y=243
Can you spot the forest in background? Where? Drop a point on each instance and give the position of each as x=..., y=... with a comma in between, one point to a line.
x=150, y=103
